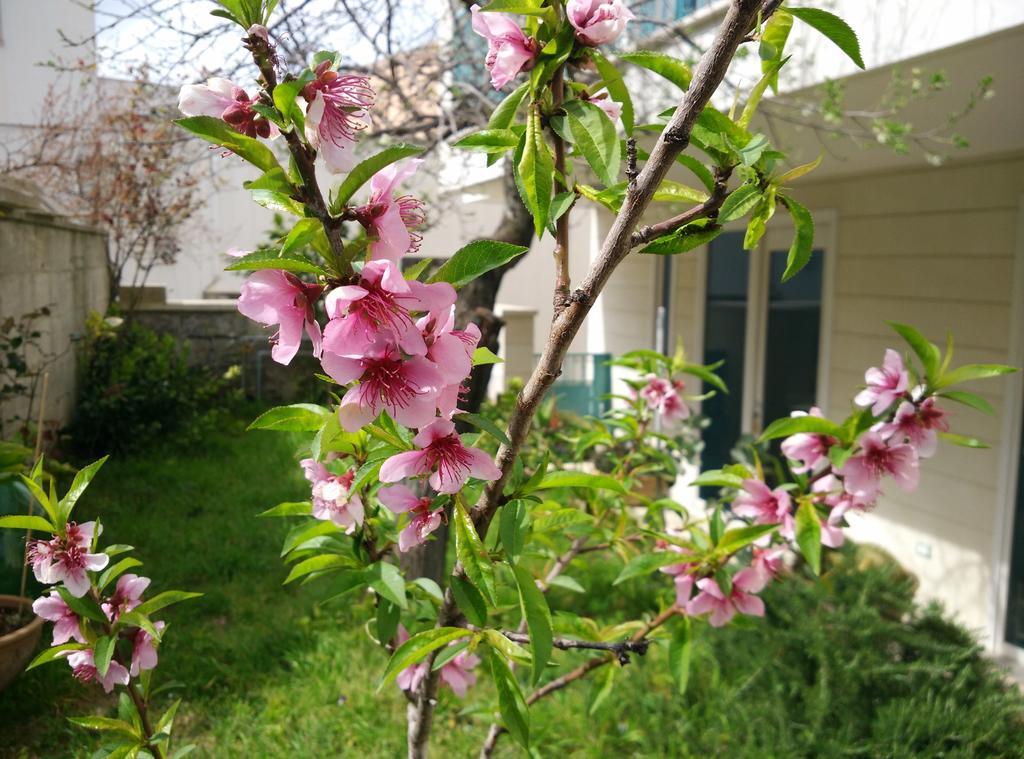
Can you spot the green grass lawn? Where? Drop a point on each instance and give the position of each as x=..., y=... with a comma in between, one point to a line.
x=844, y=667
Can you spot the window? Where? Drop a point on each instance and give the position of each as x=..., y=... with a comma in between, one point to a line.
x=767, y=332
x=655, y=14
x=1015, y=596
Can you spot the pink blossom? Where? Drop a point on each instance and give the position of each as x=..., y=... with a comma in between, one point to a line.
x=885, y=384
x=379, y=306
x=443, y=456
x=833, y=493
x=222, y=99
x=863, y=473
x=723, y=608
x=336, y=112
x=422, y=521
x=767, y=562
x=807, y=448
x=682, y=572
x=918, y=426
x=66, y=624
x=272, y=297
x=392, y=220
x=449, y=348
x=67, y=559
x=84, y=669
x=332, y=498
x=144, y=654
x=663, y=397
x=509, y=50
x=611, y=108
x=127, y=595
x=765, y=506
x=598, y=22
x=404, y=387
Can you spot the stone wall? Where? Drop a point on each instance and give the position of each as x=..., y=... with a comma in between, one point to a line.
x=46, y=261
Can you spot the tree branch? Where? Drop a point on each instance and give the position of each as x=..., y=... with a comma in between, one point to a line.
x=622, y=649
x=707, y=209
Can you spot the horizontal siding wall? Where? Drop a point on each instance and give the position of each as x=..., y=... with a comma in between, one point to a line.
x=932, y=247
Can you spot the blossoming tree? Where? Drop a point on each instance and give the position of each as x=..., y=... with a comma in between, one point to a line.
x=387, y=461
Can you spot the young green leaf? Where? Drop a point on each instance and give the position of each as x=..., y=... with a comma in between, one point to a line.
x=791, y=425
x=646, y=563
x=289, y=509
x=27, y=523
x=595, y=137
x=470, y=551
x=773, y=43
x=113, y=572
x=616, y=87
x=535, y=168
x=484, y=355
x=962, y=440
x=803, y=238
x=55, y=653
x=387, y=580
x=474, y=259
x=969, y=372
x=740, y=537
x=363, y=171
x=504, y=116
x=680, y=649
x=832, y=27
x=274, y=259
x=103, y=650
x=926, y=351
x=808, y=535
x=489, y=141
x=78, y=486
x=485, y=424
x=300, y=235
x=570, y=479
x=739, y=203
x=684, y=239
x=417, y=647
x=511, y=703
x=469, y=600
x=388, y=616
x=512, y=528
x=535, y=610
x=969, y=399
x=168, y=597
x=672, y=69
x=716, y=478
x=298, y=417
x=218, y=132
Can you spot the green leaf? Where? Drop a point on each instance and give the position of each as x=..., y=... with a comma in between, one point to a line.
x=699, y=170
x=832, y=27
x=568, y=583
x=740, y=537
x=798, y=171
x=82, y=479
x=538, y=620
x=595, y=137
x=770, y=75
x=511, y=703
x=676, y=192
x=300, y=235
x=307, y=531
x=507, y=648
x=102, y=652
x=803, y=238
x=969, y=399
x=484, y=355
x=561, y=203
x=512, y=528
x=474, y=259
x=49, y=506
x=27, y=523
x=504, y=116
x=602, y=689
x=926, y=351
x=278, y=201
x=85, y=606
x=707, y=375
x=55, y=653
x=684, y=239
x=808, y=535
x=113, y=572
x=469, y=600
x=285, y=94
x=716, y=478
x=132, y=618
x=472, y=555
x=561, y=519
x=791, y=425
x=165, y=599
x=739, y=203
x=569, y=479
x=106, y=724
x=646, y=563
x=962, y=440
x=298, y=417
x=616, y=87
x=274, y=180
x=320, y=563
x=672, y=69
x=273, y=259
x=489, y=141
x=417, y=647
x=522, y=7
x=485, y=424
x=388, y=617
x=387, y=580
x=219, y=133
x=969, y=372
x=289, y=509
x=773, y=43
x=536, y=169
x=363, y=171
x=680, y=652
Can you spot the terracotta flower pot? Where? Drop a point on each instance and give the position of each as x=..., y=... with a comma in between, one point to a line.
x=16, y=648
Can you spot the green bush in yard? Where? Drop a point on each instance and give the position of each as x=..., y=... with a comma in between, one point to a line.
x=135, y=386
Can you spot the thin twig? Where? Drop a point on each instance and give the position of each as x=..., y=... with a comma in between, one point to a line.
x=621, y=649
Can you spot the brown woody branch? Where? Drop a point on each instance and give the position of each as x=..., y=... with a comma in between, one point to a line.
x=708, y=209
x=622, y=649
x=673, y=140
x=561, y=295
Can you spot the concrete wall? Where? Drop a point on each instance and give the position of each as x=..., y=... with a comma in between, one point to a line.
x=44, y=261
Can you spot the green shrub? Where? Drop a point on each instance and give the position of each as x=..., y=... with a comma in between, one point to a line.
x=136, y=386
